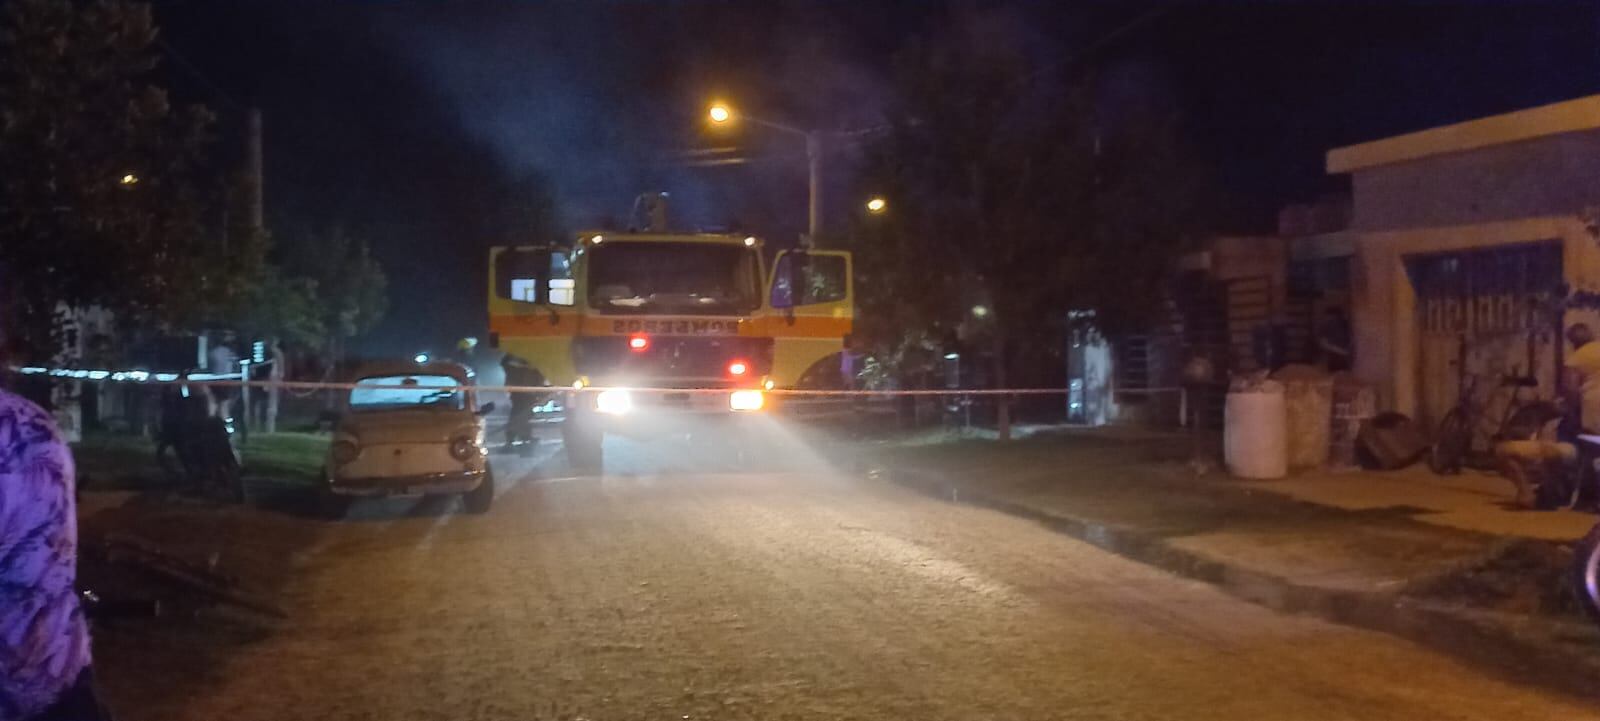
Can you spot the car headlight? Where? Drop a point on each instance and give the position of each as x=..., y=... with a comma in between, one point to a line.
x=463, y=448
x=746, y=400
x=345, y=451
x=614, y=401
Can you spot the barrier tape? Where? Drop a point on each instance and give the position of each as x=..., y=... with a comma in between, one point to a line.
x=234, y=380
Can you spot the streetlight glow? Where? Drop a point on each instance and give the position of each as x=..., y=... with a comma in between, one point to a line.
x=720, y=113
x=877, y=205
x=129, y=180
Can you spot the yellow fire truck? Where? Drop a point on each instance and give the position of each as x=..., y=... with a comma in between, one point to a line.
x=630, y=322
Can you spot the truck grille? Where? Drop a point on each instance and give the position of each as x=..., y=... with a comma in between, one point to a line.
x=672, y=361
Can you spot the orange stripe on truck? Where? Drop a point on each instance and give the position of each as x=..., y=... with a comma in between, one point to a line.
x=540, y=325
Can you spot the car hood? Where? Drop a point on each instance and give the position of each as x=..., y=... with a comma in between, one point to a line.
x=409, y=426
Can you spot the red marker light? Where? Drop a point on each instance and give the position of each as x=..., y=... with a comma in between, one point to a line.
x=738, y=368
x=638, y=342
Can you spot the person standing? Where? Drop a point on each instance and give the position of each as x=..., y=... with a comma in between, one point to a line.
x=1580, y=382
x=519, y=425
x=1333, y=340
x=44, y=639
x=1581, y=377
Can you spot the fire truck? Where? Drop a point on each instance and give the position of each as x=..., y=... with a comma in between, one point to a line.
x=643, y=333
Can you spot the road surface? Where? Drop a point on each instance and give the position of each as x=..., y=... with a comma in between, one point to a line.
x=677, y=586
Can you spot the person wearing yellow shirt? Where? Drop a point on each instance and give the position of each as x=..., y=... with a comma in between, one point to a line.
x=1581, y=382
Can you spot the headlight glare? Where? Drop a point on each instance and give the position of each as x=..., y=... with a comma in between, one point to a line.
x=614, y=401
x=746, y=400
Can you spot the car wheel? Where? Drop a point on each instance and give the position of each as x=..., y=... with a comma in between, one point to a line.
x=332, y=506
x=478, y=500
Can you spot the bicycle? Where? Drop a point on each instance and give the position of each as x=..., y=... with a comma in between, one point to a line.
x=1459, y=441
x=1585, y=571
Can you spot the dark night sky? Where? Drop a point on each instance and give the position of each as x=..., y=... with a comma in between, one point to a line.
x=405, y=121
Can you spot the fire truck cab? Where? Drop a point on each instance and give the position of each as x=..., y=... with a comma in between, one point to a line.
x=640, y=329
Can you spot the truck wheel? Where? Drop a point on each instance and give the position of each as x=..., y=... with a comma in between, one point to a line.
x=478, y=500
x=582, y=442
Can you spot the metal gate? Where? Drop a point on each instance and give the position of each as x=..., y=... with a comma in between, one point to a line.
x=1482, y=315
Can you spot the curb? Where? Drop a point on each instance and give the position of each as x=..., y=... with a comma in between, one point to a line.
x=1482, y=642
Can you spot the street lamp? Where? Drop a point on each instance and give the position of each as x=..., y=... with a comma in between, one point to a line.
x=128, y=180
x=877, y=205
x=721, y=113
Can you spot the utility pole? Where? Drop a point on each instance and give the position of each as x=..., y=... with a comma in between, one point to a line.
x=814, y=166
x=258, y=224
x=258, y=220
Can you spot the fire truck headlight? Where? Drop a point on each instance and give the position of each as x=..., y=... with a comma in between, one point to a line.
x=746, y=400
x=614, y=401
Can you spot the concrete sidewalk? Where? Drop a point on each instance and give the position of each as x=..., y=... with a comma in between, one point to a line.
x=1440, y=560
x=1472, y=501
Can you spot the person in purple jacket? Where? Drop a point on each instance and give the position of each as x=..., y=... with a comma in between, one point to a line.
x=44, y=639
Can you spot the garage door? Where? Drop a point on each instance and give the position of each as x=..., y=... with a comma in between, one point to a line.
x=1484, y=314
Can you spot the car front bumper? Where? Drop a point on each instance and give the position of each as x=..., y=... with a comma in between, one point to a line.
x=453, y=482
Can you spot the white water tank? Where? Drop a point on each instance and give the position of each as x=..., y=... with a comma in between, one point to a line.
x=1255, y=435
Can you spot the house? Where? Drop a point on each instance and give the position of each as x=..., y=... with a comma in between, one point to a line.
x=1460, y=242
x=1230, y=299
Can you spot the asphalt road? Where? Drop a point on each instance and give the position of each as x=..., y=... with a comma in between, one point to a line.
x=684, y=585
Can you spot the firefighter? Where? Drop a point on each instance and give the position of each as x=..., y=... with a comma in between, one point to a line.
x=519, y=427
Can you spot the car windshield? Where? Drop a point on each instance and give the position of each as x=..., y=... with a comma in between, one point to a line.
x=389, y=393
x=685, y=278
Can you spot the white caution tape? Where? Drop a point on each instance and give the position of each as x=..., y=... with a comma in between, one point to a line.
x=234, y=380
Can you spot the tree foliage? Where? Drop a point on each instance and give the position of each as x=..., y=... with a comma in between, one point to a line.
x=350, y=287
x=1012, y=189
x=102, y=199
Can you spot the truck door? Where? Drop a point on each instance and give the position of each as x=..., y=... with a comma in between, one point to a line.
x=812, y=308
x=533, y=310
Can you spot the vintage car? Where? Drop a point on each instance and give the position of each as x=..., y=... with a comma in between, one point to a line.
x=409, y=429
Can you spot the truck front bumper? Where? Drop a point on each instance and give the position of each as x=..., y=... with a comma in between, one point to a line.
x=657, y=412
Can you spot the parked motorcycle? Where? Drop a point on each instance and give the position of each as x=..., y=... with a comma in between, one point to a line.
x=1585, y=572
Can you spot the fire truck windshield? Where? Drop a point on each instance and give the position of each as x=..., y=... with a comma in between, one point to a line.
x=678, y=278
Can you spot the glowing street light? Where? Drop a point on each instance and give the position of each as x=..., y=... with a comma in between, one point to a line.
x=877, y=205
x=128, y=180
x=721, y=113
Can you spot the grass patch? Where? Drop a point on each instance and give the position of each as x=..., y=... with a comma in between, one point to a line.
x=114, y=461
x=286, y=456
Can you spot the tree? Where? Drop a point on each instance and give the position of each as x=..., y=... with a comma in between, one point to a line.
x=1011, y=194
x=352, y=291
x=102, y=200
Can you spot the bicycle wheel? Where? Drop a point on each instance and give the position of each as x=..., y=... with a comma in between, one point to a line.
x=1450, y=443
x=1586, y=573
x=1526, y=421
